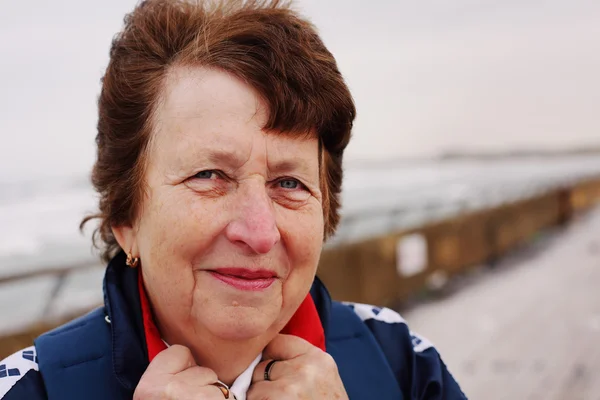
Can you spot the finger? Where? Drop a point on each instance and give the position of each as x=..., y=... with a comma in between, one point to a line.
x=286, y=347
x=259, y=391
x=210, y=392
x=271, y=390
x=183, y=391
x=278, y=369
x=198, y=376
x=173, y=360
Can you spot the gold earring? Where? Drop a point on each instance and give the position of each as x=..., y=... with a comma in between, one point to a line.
x=132, y=261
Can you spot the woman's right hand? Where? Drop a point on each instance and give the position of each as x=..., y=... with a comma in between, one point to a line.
x=173, y=374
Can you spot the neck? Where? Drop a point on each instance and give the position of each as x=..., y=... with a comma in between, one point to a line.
x=227, y=358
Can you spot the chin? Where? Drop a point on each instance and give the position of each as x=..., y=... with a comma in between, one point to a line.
x=241, y=323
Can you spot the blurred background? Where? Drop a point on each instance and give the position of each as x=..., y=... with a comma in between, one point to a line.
x=470, y=190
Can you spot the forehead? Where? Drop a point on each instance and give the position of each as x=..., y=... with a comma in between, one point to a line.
x=203, y=110
x=209, y=94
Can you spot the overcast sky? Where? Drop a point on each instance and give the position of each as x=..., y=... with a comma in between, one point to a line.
x=427, y=76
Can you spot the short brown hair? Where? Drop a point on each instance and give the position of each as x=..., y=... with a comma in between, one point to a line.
x=264, y=43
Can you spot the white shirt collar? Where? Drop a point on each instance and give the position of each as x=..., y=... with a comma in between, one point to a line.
x=242, y=383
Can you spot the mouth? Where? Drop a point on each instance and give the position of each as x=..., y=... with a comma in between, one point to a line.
x=245, y=279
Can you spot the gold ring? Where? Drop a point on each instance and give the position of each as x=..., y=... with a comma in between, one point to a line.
x=223, y=388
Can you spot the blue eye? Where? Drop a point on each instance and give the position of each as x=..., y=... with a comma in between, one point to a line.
x=207, y=174
x=289, y=183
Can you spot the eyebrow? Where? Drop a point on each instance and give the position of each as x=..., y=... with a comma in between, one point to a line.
x=287, y=166
x=226, y=157
x=233, y=160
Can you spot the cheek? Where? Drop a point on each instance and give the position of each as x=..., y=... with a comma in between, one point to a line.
x=175, y=228
x=302, y=236
x=179, y=226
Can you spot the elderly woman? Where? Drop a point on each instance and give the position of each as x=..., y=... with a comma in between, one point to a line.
x=220, y=139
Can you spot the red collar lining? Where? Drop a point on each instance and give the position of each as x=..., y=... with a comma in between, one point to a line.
x=305, y=323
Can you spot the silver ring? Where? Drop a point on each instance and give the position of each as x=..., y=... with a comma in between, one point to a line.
x=268, y=370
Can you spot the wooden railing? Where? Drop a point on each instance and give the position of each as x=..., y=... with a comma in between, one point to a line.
x=391, y=268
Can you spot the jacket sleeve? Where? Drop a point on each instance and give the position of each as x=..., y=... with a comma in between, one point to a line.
x=421, y=373
x=20, y=378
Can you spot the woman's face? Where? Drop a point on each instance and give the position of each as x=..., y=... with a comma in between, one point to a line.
x=231, y=229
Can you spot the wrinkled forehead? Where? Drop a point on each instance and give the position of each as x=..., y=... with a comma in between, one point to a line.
x=208, y=110
x=207, y=93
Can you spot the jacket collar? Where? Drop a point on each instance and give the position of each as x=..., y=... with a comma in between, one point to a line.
x=122, y=302
x=135, y=339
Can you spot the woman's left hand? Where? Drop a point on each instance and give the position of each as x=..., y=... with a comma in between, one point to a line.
x=302, y=371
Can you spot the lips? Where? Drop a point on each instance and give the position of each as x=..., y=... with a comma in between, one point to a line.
x=245, y=279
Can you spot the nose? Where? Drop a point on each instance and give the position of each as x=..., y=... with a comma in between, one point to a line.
x=254, y=226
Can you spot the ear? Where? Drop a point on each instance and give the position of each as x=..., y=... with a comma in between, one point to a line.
x=125, y=236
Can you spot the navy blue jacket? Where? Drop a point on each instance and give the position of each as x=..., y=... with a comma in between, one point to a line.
x=103, y=355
